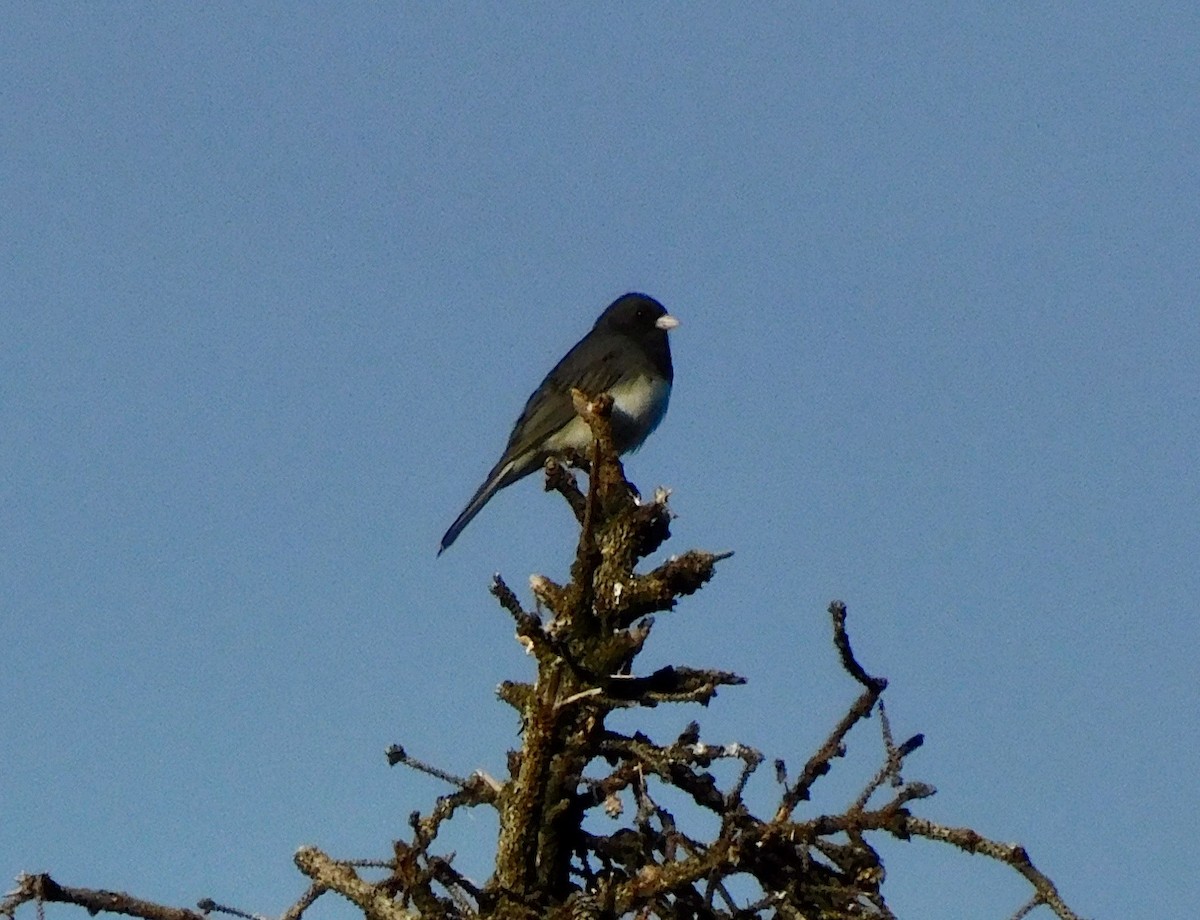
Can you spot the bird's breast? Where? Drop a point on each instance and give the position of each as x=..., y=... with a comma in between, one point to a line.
x=638, y=406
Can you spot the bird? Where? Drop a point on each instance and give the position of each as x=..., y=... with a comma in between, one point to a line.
x=625, y=354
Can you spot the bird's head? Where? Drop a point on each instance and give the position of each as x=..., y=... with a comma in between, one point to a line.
x=634, y=314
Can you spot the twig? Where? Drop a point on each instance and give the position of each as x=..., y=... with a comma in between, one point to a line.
x=1014, y=855
x=560, y=480
x=305, y=901
x=837, y=610
x=42, y=888
x=396, y=754
x=371, y=899
x=209, y=906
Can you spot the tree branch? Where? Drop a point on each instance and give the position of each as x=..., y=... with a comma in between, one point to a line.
x=374, y=902
x=43, y=889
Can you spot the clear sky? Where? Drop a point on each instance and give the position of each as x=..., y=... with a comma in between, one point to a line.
x=276, y=281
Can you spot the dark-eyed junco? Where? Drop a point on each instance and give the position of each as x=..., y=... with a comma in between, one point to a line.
x=626, y=354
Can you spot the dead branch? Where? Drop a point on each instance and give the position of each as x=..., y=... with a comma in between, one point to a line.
x=585, y=828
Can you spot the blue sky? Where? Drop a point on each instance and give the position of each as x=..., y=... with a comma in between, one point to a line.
x=276, y=281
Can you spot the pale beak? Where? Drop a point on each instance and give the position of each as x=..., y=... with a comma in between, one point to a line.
x=666, y=323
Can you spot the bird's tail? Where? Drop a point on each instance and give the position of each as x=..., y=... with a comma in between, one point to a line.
x=500, y=476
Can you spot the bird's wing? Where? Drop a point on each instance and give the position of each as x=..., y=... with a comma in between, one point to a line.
x=590, y=367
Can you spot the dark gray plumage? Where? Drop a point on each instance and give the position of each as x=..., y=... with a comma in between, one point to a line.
x=627, y=354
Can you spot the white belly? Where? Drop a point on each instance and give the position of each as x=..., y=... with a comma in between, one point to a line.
x=638, y=406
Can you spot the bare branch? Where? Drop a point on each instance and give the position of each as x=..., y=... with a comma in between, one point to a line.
x=966, y=839
x=560, y=480
x=374, y=902
x=397, y=755
x=303, y=903
x=42, y=888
